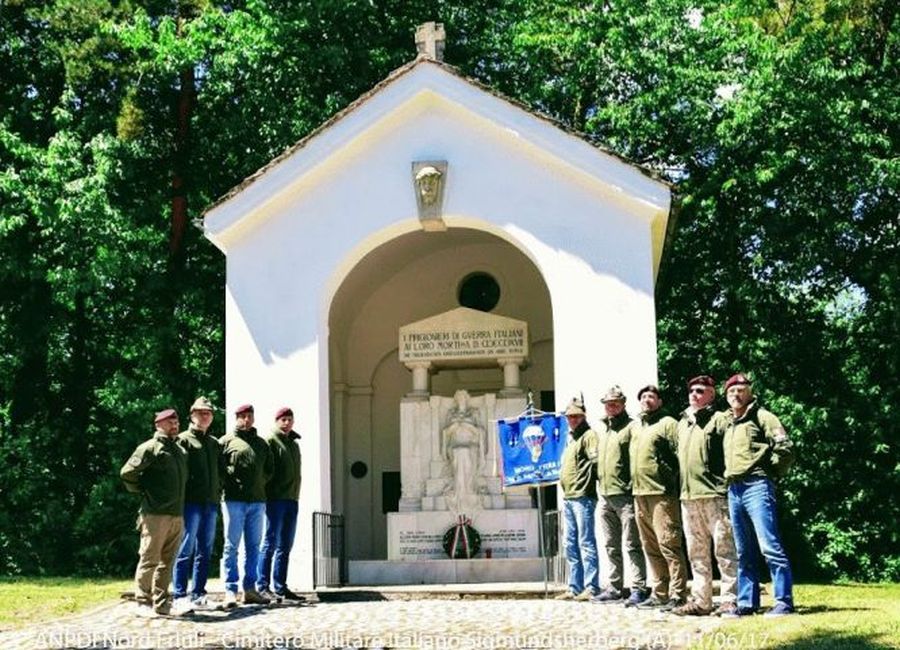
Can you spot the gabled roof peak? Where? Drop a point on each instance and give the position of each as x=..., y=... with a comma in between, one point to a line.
x=421, y=61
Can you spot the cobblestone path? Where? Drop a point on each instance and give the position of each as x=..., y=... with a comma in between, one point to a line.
x=374, y=621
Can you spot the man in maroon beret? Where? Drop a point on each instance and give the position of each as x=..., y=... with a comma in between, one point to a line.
x=247, y=466
x=757, y=453
x=704, y=502
x=282, y=492
x=157, y=470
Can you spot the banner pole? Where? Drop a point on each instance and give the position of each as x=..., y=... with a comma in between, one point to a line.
x=541, y=537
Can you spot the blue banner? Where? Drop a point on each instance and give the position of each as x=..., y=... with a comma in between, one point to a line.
x=531, y=448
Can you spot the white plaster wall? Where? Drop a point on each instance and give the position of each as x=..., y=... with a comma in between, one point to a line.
x=282, y=271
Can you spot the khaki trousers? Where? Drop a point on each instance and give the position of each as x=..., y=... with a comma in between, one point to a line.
x=708, y=523
x=616, y=515
x=160, y=538
x=659, y=523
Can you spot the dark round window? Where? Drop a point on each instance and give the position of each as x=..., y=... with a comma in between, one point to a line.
x=479, y=291
x=359, y=469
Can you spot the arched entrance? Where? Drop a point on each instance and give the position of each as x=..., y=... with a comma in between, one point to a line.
x=411, y=277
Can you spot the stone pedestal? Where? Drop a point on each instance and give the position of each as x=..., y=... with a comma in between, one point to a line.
x=414, y=536
x=432, y=572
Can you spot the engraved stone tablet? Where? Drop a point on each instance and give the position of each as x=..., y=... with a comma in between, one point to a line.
x=464, y=337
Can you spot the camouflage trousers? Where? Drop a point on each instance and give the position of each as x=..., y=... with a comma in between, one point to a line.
x=160, y=539
x=708, y=523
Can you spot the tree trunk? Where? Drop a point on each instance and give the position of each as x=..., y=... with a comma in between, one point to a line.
x=185, y=107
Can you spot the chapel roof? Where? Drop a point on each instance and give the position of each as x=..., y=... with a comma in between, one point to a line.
x=393, y=77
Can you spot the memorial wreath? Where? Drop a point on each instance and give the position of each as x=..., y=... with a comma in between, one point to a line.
x=461, y=541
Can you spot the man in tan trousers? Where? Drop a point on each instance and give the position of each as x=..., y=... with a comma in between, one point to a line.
x=654, y=476
x=157, y=470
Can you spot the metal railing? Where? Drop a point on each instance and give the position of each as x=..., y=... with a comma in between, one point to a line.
x=329, y=557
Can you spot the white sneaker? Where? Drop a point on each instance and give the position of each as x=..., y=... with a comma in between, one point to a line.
x=273, y=597
x=182, y=607
x=230, y=600
x=200, y=603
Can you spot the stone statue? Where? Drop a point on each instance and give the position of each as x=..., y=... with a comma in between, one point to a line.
x=463, y=445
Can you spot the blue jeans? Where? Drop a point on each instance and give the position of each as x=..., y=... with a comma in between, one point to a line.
x=581, y=544
x=281, y=522
x=751, y=504
x=196, y=549
x=242, y=518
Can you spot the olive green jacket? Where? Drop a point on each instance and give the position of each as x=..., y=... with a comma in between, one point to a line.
x=203, y=459
x=756, y=444
x=246, y=466
x=157, y=470
x=613, y=459
x=701, y=457
x=285, y=480
x=654, y=461
x=578, y=467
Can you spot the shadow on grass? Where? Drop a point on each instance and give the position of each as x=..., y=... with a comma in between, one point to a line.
x=824, y=609
x=838, y=641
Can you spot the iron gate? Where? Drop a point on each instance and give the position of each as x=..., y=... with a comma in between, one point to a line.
x=329, y=563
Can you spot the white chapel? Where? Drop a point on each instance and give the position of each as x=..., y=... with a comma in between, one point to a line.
x=430, y=203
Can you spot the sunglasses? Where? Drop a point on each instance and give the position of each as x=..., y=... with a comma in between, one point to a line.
x=697, y=391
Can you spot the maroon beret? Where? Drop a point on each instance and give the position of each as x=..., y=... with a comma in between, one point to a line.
x=651, y=388
x=243, y=408
x=284, y=410
x=702, y=380
x=164, y=415
x=737, y=379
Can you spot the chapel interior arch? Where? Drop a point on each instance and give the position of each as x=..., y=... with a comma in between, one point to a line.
x=411, y=277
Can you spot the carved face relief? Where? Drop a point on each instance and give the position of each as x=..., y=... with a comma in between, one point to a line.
x=429, y=185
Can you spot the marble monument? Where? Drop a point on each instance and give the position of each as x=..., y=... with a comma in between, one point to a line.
x=450, y=461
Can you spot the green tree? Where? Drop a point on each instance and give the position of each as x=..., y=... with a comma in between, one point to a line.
x=776, y=122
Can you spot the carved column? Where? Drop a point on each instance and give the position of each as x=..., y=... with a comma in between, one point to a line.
x=338, y=466
x=511, y=387
x=420, y=376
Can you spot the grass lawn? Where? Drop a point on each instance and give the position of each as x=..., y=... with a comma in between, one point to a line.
x=834, y=617
x=30, y=600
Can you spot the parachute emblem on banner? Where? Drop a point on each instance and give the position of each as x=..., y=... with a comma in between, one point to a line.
x=534, y=437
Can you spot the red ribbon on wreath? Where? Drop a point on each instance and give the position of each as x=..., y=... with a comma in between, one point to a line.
x=461, y=524
x=462, y=541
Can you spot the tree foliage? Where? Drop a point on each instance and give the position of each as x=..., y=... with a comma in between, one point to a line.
x=776, y=122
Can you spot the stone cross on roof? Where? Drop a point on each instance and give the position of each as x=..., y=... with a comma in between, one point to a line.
x=430, y=39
